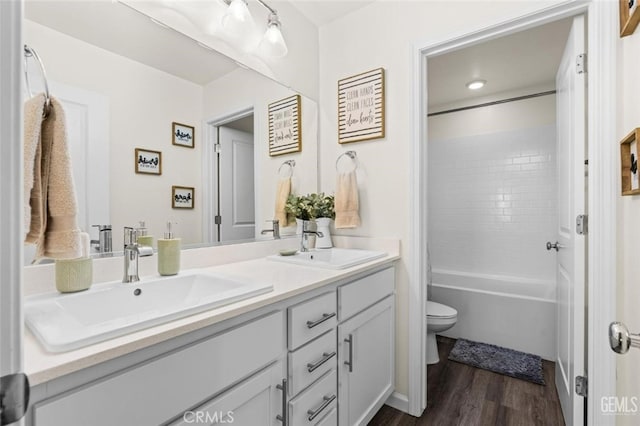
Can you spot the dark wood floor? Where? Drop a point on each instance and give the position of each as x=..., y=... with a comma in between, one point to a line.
x=458, y=394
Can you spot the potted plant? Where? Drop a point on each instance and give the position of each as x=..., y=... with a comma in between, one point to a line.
x=324, y=213
x=301, y=208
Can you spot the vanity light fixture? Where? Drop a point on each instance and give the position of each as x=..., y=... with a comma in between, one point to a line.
x=238, y=21
x=476, y=84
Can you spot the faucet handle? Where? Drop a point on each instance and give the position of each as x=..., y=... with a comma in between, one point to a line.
x=102, y=227
x=130, y=236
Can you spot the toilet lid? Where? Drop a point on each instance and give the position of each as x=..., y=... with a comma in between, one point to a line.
x=435, y=309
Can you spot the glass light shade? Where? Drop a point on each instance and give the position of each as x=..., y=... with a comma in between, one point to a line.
x=272, y=43
x=237, y=14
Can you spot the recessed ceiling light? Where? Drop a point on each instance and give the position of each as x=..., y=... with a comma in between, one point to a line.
x=476, y=84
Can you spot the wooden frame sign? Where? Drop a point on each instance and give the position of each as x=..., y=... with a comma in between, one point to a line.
x=148, y=161
x=629, y=16
x=285, y=133
x=629, y=163
x=361, y=107
x=182, y=197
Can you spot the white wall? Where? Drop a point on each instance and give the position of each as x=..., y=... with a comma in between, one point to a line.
x=628, y=289
x=140, y=116
x=244, y=88
x=382, y=35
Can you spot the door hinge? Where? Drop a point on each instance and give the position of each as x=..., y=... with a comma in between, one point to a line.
x=582, y=386
x=582, y=224
x=217, y=148
x=218, y=220
x=581, y=63
x=14, y=397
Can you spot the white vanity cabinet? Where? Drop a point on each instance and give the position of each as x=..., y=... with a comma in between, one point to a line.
x=366, y=347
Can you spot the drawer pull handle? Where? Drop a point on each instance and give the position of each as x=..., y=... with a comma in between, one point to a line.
x=326, y=400
x=325, y=357
x=349, y=340
x=311, y=324
x=283, y=417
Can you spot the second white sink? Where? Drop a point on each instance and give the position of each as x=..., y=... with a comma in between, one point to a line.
x=69, y=321
x=334, y=258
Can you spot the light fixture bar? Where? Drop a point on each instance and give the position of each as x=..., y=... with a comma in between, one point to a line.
x=266, y=6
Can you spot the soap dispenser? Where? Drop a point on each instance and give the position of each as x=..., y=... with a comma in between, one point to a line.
x=143, y=238
x=168, y=253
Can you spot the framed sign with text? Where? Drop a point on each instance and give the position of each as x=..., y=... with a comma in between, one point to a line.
x=361, y=107
x=285, y=126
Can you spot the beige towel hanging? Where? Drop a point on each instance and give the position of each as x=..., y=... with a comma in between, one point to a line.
x=33, y=111
x=282, y=193
x=53, y=224
x=346, y=201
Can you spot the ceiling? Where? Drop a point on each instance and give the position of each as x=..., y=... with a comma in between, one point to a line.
x=325, y=11
x=524, y=59
x=119, y=29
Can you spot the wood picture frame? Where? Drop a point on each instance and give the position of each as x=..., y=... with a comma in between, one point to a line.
x=148, y=162
x=629, y=16
x=361, y=107
x=285, y=126
x=182, y=197
x=183, y=135
x=630, y=175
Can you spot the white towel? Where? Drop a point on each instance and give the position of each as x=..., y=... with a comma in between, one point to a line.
x=53, y=225
x=346, y=201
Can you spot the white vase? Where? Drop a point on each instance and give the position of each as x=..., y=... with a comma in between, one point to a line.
x=324, y=226
x=299, y=226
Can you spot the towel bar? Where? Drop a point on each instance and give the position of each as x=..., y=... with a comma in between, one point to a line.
x=350, y=154
x=291, y=164
x=30, y=52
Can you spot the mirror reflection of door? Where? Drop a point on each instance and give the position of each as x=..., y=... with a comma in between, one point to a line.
x=235, y=189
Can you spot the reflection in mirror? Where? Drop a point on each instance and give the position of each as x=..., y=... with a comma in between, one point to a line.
x=124, y=81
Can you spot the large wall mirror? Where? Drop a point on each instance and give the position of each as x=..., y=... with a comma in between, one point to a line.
x=124, y=81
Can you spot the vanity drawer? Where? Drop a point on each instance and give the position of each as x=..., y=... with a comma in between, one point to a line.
x=360, y=294
x=319, y=356
x=312, y=405
x=159, y=390
x=312, y=318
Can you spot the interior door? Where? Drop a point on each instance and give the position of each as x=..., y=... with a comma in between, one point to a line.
x=236, y=185
x=571, y=251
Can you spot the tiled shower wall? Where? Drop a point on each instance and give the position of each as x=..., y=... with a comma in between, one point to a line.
x=492, y=203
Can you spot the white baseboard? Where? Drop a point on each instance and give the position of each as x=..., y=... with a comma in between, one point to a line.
x=399, y=402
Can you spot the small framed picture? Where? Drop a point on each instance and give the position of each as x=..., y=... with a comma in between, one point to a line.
x=629, y=163
x=629, y=17
x=183, y=135
x=182, y=197
x=148, y=161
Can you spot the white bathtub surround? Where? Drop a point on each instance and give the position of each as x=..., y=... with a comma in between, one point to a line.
x=506, y=311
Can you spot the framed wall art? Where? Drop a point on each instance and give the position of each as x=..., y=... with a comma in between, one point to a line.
x=285, y=132
x=182, y=197
x=361, y=107
x=148, y=161
x=183, y=135
x=630, y=176
x=629, y=16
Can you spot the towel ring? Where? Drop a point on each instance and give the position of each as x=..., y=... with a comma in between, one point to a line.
x=30, y=52
x=291, y=164
x=350, y=154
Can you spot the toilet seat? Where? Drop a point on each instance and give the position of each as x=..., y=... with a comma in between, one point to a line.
x=440, y=311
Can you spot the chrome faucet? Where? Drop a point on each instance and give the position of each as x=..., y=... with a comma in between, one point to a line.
x=103, y=243
x=275, y=229
x=304, y=243
x=132, y=250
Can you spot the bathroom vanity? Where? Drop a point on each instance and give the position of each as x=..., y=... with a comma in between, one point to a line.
x=317, y=350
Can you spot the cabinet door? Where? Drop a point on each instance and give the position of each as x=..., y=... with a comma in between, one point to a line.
x=256, y=401
x=366, y=363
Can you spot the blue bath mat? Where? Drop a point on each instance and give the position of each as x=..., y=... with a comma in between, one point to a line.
x=509, y=362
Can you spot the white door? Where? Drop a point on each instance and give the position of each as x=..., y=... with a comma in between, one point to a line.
x=570, y=273
x=236, y=185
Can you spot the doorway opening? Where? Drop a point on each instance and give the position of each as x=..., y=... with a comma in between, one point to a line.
x=229, y=176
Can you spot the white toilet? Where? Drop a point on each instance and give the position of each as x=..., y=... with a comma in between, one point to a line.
x=439, y=318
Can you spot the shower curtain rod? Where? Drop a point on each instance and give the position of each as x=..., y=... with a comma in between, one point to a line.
x=503, y=101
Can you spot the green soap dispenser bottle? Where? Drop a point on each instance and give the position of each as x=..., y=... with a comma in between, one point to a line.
x=168, y=253
x=143, y=238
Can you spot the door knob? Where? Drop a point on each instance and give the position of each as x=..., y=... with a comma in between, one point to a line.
x=555, y=245
x=620, y=339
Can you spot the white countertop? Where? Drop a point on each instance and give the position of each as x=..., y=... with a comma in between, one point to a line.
x=288, y=281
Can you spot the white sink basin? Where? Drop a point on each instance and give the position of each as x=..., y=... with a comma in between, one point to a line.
x=63, y=322
x=334, y=258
